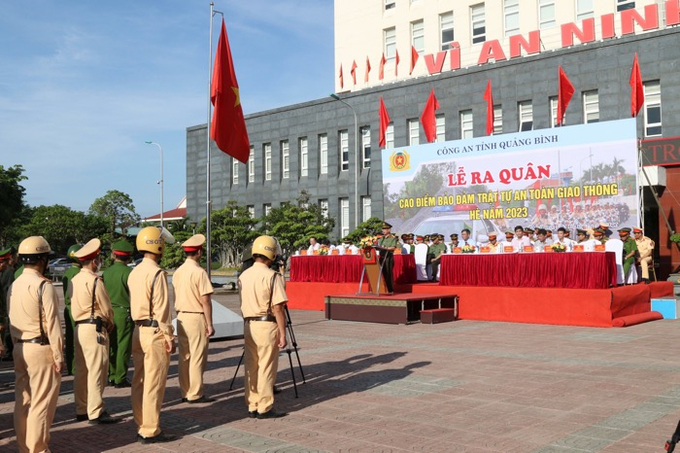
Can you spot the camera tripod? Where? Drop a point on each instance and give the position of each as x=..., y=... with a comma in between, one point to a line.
x=289, y=351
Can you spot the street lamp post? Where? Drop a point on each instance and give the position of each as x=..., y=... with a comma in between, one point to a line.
x=356, y=160
x=149, y=142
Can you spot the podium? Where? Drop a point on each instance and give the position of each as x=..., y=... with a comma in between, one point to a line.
x=372, y=272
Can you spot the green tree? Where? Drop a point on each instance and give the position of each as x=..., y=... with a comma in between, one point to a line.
x=294, y=224
x=178, y=225
x=231, y=230
x=173, y=257
x=370, y=227
x=12, y=206
x=62, y=226
x=117, y=207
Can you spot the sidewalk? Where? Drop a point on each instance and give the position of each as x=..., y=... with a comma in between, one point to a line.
x=458, y=387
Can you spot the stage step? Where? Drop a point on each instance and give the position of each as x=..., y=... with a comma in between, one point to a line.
x=437, y=315
x=667, y=306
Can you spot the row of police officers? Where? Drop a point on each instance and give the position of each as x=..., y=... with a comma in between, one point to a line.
x=128, y=308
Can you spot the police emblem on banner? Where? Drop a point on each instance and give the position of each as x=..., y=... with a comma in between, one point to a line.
x=400, y=161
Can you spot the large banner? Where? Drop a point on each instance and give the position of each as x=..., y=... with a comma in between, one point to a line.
x=572, y=177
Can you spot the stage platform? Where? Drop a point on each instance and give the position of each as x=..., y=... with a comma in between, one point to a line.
x=560, y=306
x=398, y=308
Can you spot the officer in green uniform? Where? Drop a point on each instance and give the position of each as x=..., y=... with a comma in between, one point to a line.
x=437, y=249
x=69, y=342
x=629, y=250
x=386, y=245
x=116, y=282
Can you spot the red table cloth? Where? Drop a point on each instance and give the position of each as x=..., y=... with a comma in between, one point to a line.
x=345, y=268
x=586, y=270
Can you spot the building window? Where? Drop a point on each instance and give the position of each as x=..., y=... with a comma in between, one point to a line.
x=511, y=14
x=622, y=5
x=285, y=159
x=366, y=146
x=497, y=119
x=251, y=211
x=366, y=205
x=418, y=35
x=478, y=23
x=440, y=123
x=413, y=132
x=323, y=154
x=389, y=136
x=584, y=9
x=390, y=4
x=591, y=107
x=466, y=124
x=546, y=14
x=652, y=108
x=304, y=157
x=251, y=165
x=446, y=30
x=526, y=116
x=323, y=205
x=234, y=171
x=344, y=150
x=267, y=151
x=344, y=217
x=553, y=112
x=267, y=208
x=390, y=37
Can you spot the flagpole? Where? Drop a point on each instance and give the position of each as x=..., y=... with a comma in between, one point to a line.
x=207, y=141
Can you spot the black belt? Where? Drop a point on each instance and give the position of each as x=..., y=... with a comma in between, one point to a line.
x=192, y=312
x=268, y=318
x=36, y=340
x=86, y=321
x=147, y=323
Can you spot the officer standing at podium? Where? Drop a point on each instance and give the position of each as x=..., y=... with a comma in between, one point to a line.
x=386, y=245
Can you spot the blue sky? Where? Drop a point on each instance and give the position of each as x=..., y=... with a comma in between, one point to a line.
x=83, y=84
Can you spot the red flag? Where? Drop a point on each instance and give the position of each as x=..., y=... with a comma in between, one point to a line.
x=381, y=69
x=368, y=69
x=565, y=90
x=637, y=93
x=396, y=65
x=342, y=79
x=428, y=120
x=384, y=122
x=228, y=127
x=353, y=71
x=414, y=58
x=488, y=97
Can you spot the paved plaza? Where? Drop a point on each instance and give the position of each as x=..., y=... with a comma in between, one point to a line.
x=465, y=386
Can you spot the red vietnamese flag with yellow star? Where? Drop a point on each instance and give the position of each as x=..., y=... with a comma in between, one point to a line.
x=228, y=127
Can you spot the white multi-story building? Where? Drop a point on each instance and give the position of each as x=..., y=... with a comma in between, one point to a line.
x=450, y=35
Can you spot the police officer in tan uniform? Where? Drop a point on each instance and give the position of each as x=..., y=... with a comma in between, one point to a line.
x=263, y=296
x=152, y=341
x=38, y=343
x=645, y=248
x=194, y=320
x=93, y=318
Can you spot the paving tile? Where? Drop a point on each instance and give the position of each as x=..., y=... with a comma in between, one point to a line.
x=475, y=387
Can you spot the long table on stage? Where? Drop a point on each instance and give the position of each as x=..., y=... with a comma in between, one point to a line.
x=582, y=270
x=345, y=268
